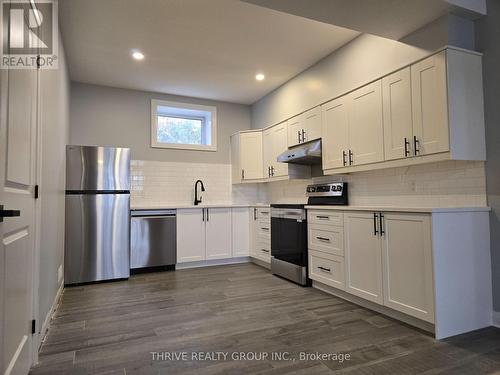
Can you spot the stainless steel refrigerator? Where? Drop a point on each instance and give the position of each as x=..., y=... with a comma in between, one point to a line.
x=97, y=237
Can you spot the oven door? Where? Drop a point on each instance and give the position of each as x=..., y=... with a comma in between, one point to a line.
x=289, y=235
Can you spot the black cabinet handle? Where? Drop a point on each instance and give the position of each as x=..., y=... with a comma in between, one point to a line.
x=254, y=214
x=382, y=231
x=323, y=239
x=303, y=135
x=375, y=230
x=344, y=156
x=324, y=269
x=322, y=217
x=8, y=213
x=298, y=135
x=416, y=144
x=203, y=213
x=407, y=151
x=264, y=228
x=351, y=157
x=207, y=215
x=272, y=170
x=268, y=171
x=242, y=174
x=264, y=250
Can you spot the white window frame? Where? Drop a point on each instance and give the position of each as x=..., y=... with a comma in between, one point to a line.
x=182, y=146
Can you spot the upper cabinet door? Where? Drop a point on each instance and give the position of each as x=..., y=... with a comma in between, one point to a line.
x=280, y=145
x=407, y=264
x=335, y=133
x=251, y=157
x=267, y=151
x=218, y=233
x=366, y=127
x=398, y=132
x=312, y=125
x=295, y=126
x=363, y=256
x=430, y=105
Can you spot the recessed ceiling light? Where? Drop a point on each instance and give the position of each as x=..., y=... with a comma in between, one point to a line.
x=260, y=76
x=138, y=55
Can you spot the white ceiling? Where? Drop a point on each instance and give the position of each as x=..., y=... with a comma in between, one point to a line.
x=201, y=48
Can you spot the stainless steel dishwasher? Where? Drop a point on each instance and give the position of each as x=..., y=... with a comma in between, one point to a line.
x=153, y=240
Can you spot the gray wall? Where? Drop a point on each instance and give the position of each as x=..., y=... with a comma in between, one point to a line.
x=362, y=60
x=119, y=117
x=488, y=41
x=54, y=122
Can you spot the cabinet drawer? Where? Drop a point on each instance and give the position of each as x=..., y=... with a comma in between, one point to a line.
x=328, y=239
x=335, y=218
x=327, y=269
x=263, y=250
x=263, y=229
x=264, y=213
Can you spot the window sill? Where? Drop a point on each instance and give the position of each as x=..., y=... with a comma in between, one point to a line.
x=212, y=148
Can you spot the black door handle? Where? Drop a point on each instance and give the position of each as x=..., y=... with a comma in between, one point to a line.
x=8, y=213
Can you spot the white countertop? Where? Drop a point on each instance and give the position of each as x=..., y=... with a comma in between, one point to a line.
x=401, y=209
x=166, y=206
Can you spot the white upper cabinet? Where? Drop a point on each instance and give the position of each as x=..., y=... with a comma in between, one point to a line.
x=218, y=233
x=246, y=157
x=398, y=123
x=430, y=105
x=251, y=155
x=335, y=130
x=407, y=264
x=279, y=140
x=268, y=151
x=366, y=129
x=304, y=127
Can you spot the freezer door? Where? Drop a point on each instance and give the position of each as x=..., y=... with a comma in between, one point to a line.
x=97, y=237
x=97, y=168
x=153, y=241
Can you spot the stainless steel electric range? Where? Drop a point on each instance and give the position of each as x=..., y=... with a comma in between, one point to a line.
x=289, y=258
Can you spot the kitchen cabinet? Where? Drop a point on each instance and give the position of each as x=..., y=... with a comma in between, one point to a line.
x=274, y=142
x=218, y=233
x=203, y=234
x=366, y=128
x=353, y=128
x=241, y=231
x=247, y=157
x=407, y=264
x=398, y=122
x=304, y=127
x=430, y=105
x=335, y=130
x=190, y=235
x=363, y=256
x=261, y=234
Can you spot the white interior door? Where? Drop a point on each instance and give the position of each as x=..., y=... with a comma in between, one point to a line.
x=366, y=126
x=398, y=131
x=17, y=174
x=363, y=256
x=218, y=233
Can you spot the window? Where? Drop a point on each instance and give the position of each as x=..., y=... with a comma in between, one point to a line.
x=183, y=126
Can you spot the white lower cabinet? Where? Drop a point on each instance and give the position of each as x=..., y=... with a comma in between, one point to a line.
x=261, y=234
x=363, y=252
x=407, y=264
x=218, y=233
x=212, y=233
x=241, y=231
x=384, y=258
x=190, y=235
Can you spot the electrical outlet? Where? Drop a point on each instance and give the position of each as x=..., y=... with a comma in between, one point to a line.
x=59, y=273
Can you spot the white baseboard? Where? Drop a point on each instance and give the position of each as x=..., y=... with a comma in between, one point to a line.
x=50, y=313
x=496, y=318
x=214, y=262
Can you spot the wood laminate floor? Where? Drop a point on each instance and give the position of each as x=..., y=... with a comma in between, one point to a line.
x=112, y=329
